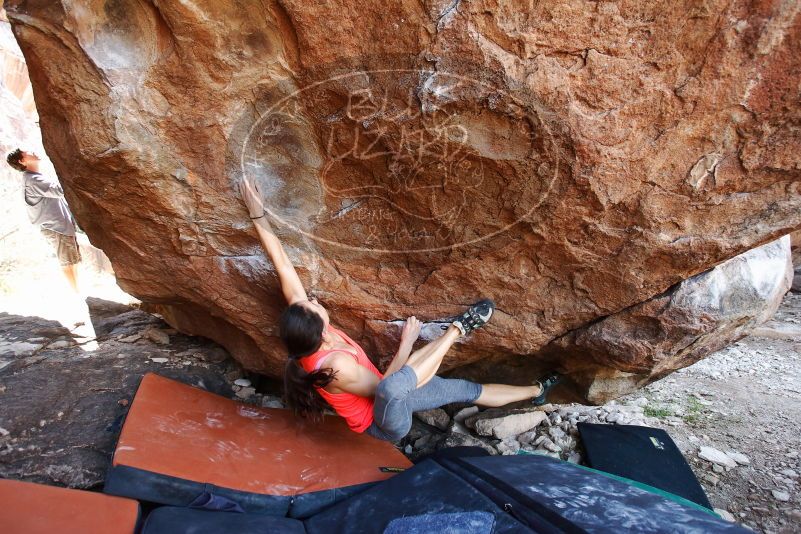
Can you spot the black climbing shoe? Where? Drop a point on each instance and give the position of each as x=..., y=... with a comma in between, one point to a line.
x=546, y=383
x=475, y=317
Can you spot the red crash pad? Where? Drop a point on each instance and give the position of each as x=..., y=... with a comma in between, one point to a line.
x=185, y=432
x=29, y=508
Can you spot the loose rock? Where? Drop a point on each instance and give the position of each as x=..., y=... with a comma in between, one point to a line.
x=527, y=437
x=509, y=425
x=466, y=440
x=20, y=348
x=738, y=457
x=779, y=495
x=421, y=442
x=272, y=402
x=717, y=457
x=724, y=514
x=459, y=428
x=508, y=446
x=712, y=479
x=464, y=413
x=246, y=393
x=160, y=337
x=557, y=433
x=436, y=417
x=550, y=445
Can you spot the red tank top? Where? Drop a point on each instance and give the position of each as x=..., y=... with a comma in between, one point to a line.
x=356, y=410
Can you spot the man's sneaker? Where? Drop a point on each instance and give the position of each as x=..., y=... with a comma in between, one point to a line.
x=475, y=317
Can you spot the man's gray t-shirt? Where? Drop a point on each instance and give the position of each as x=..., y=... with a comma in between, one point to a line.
x=46, y=205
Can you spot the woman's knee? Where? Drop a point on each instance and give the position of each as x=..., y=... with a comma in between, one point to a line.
x=379, y=433
x=393, y=418
x=397, y=385
x=386, y=390
x=394, y=434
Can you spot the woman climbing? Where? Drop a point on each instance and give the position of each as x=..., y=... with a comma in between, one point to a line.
x=325, y=364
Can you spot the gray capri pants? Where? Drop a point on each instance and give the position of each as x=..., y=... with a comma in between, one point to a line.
x=397, y=397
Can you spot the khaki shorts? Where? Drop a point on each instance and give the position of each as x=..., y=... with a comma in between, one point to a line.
x=66, y=247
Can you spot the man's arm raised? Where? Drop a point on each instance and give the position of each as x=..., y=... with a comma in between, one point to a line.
x=291, y=286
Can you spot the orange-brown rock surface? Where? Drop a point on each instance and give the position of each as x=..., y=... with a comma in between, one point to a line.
x=568, y=159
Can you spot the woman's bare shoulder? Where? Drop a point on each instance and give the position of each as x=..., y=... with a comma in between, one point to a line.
x=338, y=359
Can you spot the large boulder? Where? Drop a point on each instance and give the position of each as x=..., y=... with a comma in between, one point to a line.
x=697, y=317
x=622, y=352
x=568, y=159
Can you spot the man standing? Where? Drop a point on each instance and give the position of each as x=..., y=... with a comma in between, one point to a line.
x=48, y=209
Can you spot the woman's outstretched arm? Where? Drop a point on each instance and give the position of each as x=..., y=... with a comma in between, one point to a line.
x=291, y=286
x=409, y=334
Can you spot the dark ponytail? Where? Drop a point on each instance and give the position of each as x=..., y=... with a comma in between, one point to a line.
x=302, y=332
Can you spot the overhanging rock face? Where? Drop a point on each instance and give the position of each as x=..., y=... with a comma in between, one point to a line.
x=698, y=316
x=568, y=159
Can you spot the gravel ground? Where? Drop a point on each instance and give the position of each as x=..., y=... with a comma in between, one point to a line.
x=745, y=399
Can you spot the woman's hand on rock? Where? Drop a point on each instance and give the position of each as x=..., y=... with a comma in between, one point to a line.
x=251, y=195
x=411, y=330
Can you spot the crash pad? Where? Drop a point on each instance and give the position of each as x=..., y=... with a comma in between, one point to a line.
x=173, y=520
x=29, y=508
x=527, y=493
x=179, y=441
x=643, y=454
